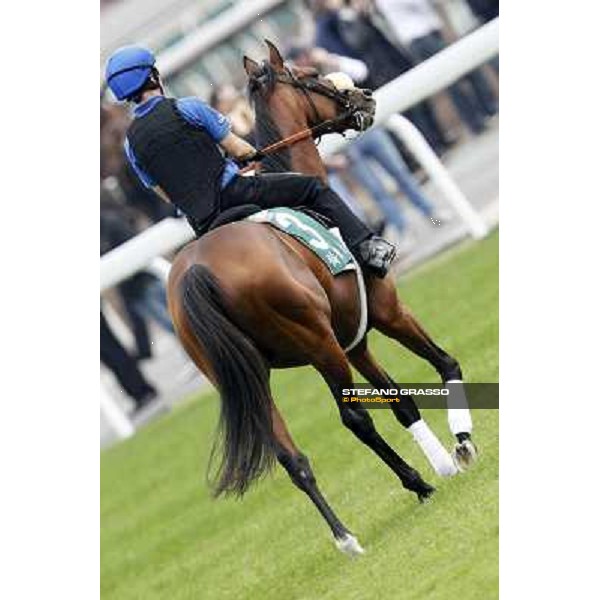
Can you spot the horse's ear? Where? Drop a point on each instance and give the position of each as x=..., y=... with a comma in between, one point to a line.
x=275, y=57
x=251, y=66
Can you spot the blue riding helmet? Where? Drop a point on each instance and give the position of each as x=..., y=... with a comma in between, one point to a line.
x=127, y=70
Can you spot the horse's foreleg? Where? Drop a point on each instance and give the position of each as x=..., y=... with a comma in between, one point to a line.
x=394, y=320
x=364, y=362
x=333, y=365
x=406, y=412
x=301, y=474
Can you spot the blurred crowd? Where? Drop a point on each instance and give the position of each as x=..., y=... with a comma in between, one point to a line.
x=372, y=41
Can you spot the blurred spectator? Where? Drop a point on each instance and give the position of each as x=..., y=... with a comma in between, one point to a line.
x=114, y=120
x=327, y=62
x=337, y=167
x=114, y=356
x=419, y=27
x=143, y=294
x=234, y=105
x=485, y=10
x=374, y=146
x=344, y=31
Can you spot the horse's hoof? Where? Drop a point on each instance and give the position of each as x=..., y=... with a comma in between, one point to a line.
x=349, y=545
x=425, y=493
x=465, y=455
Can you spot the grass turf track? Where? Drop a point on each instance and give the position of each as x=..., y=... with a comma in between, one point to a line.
x=164, y=537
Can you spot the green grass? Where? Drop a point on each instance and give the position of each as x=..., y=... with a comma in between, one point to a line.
x=164, y=537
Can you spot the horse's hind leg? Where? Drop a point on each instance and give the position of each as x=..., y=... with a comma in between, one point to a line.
x=406, y=411
x=301, y=474
x=333, y=365
x=393, y=319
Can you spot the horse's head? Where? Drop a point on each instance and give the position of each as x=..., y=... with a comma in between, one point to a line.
x=308, y=99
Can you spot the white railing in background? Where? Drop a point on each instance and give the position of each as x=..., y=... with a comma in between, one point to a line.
x=137, y=253
x=214, y=31
x=426, y=79
x=432, y=75
x=140, y=20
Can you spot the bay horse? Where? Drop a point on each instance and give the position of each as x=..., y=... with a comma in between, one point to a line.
x=246, y=298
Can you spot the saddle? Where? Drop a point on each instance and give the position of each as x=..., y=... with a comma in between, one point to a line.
x=230, y=215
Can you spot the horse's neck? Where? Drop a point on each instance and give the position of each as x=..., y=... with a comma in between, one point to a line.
x=305, y=159
x=304, y=156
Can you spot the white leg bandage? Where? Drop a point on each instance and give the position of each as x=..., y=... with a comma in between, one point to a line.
x=459, y=415
x=436, y=454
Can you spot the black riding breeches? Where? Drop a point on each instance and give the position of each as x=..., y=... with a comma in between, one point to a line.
x=270, y=190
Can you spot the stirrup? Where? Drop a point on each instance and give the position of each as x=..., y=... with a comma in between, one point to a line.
x=377, y=255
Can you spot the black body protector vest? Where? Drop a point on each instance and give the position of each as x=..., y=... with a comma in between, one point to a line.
x=182, y=159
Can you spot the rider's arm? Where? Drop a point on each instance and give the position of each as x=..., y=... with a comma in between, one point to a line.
x=217, y=126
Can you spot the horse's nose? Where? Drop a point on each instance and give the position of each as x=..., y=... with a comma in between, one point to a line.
x=370, y=104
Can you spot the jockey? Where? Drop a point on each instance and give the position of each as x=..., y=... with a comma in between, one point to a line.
x=176, y=146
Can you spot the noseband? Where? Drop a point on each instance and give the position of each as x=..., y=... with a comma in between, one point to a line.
x=310, y=86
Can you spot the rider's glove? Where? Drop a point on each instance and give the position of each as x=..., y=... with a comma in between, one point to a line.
x=254, y=157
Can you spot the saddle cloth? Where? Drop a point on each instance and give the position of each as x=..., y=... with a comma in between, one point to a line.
x=327, y=244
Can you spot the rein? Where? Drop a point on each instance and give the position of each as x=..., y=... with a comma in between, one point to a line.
x=311, y=132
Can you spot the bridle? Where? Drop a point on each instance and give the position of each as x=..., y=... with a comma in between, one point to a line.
x=351, y=113
x=310, y=85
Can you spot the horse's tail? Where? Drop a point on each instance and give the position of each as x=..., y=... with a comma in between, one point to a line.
x=245, y=428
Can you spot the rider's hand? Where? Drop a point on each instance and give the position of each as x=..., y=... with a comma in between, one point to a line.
x=255, y=156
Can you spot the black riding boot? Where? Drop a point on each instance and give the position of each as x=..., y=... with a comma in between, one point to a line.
x=377, y=255
x=371, y=251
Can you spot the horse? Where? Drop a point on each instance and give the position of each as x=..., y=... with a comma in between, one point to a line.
x=246, y=298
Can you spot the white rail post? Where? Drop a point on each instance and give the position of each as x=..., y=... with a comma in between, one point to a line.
x=433, y=166
x=160, y=267
x=114, y=415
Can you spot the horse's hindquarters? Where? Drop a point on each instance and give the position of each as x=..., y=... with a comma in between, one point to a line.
x=275, y=289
